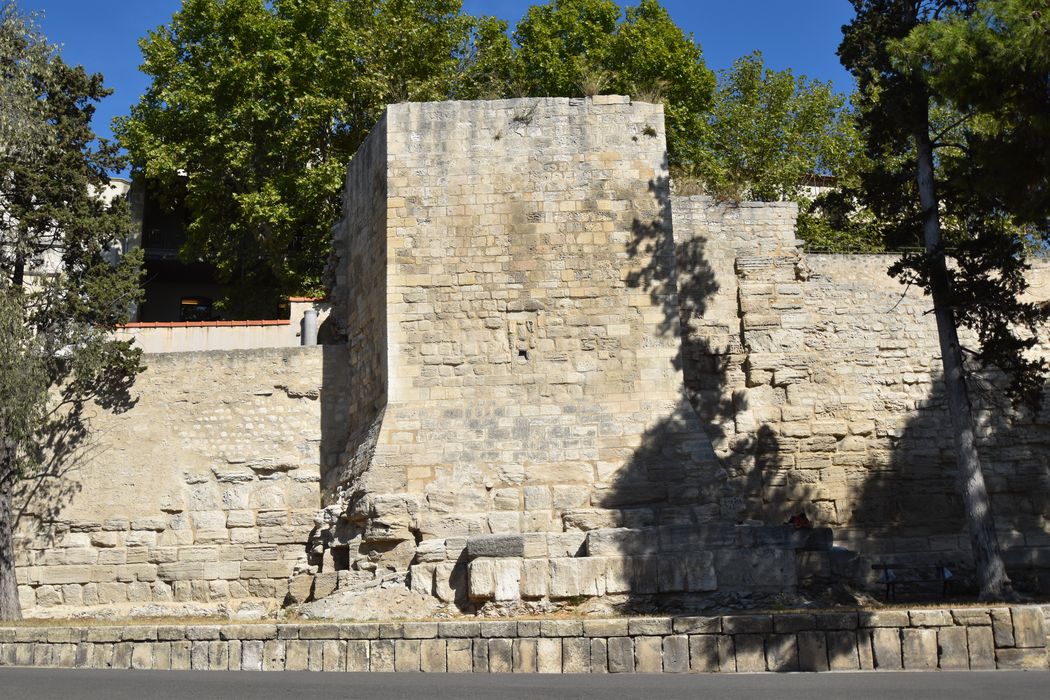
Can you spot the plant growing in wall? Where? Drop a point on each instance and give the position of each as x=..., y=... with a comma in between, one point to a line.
x=62, y=287
x=955, y=111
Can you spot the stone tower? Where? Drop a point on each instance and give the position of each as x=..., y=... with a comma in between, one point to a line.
x=506, y=280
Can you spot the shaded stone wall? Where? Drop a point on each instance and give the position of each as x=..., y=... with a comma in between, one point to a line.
x=532, y=342
x=199, y=499
x=818, y=378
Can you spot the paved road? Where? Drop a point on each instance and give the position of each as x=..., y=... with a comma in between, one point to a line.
x=43, y=684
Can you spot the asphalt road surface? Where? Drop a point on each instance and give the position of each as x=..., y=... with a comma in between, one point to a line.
x=61, y=684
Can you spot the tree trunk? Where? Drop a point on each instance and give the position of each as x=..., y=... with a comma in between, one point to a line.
x=991, y=574
x=10, y=609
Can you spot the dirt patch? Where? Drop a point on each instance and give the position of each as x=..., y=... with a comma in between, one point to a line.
x=391, y=603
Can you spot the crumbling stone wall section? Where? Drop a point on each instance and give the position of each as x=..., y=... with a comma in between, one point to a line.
x=818, y=379
x=532, y=339
x=199, y=499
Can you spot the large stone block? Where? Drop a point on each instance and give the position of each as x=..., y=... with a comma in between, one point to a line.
x=981, y=648
x=496, y=546
x=1029, y=626
x=621, y=654
x=952, y=649
x=494, y=579
x=886, y=648
x=919, y=649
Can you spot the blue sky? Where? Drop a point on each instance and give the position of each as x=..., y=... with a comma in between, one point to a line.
x=799, y=34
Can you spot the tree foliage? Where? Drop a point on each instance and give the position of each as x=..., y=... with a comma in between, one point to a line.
x=62, y=285
x=580, y=47
x=770, y=131
x=256, y=107
x=952, y=94
x=25, y=56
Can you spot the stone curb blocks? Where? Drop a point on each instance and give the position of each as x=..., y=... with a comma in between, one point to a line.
x=972, y=638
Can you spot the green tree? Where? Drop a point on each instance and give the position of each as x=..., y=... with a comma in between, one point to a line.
x=569, y=48
x=26, y=55
x=770, y=131
x=62, y=285
x=255, y=109
x=952, y=93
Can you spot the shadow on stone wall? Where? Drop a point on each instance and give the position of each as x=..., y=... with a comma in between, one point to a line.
x=63, y=445
x=690, y=475
x=908, y=510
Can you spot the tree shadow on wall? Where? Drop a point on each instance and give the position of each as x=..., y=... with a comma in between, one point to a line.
x=703, y=460
x=63, y=444
x=908, y=508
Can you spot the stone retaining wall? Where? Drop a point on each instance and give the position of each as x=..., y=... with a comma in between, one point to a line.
x=199, y=498
x=818, y=380
x=885, y=640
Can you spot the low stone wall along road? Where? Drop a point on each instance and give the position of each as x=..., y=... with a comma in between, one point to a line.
x=1007, y=638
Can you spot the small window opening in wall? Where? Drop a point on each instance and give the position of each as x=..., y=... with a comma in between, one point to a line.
x=341, y=557
x=523, y=354
x=195, y=309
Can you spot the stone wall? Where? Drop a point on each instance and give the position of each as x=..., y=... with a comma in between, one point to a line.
x=199, y=499
x=883, y=640
x=532, y=371
x=817, y=376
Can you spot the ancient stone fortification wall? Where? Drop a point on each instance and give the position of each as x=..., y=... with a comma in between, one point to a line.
x=817, y=377
x=531, y=330
x=201, y=495
x=884, y=640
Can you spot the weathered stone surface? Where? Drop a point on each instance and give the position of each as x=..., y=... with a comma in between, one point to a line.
x=183, y=518
x=883, y=618
x=479, y=654
x=621, y=655
x=842, y=650
x=650, y=626
x=1002, y=627
x=381, y=656
x=499, y=546
x=747, y=624
x=953, y=653
x=357, y=656
x=919, y=649
x=549, y=655
x=274, y=655
x=501, y=655
x=1021, y=659
x=459, y=658
x=794, y=622
x=495, y=579
x=727, y=653
x=703, y=653
x=251, y=655
x=433, y=655
x=782, y=652
x=576, y=655
x=524, y=655
x=599, y=656
x=648, y=654
x=886, y=648
x=406, y=655
x=930, y=618
x=750, y=652
x=1029, y=626
x=981, y=648
x=297, y=655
